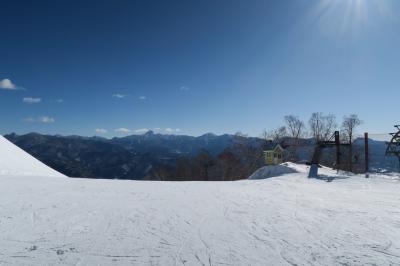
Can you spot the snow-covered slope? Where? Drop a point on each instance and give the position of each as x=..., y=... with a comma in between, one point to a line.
x=284, y=220
x=274, y=170
x=15, y=161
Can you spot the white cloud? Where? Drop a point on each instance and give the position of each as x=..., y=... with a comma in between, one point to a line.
x=184, y=88
x=46, y=119
x=100, y=130
x=142, y=130
x=7, y=84
x=41, y=119
x=59, y=101
x=119, y=95
x=29, y=120
x=122, y=130
x=142, y=98
x=31, y=100
x=157, y=129
x=171, y=130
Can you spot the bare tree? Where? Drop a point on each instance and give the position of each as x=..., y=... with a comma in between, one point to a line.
x=275, y=134
x=330, y=126
x=265, y=135
x=316, y=124
x=250, y=156
x=230, y=165
x=295, y=126
x=296, y=130
x=322, y=127
x=202, y=163
x=349, y=125
x=183, y=169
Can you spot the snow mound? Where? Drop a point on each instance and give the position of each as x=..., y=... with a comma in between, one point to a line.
x=16, y=162
x=276, y=170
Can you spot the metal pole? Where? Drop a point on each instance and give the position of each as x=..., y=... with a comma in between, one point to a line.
x=337, y=142
x=366, y=154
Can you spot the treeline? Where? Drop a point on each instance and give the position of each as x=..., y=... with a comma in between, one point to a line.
x=320, y=128
x=243, y=158
x=234, y=163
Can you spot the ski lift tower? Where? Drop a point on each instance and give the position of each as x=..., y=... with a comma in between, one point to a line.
x=393, y=148
x=318, y=153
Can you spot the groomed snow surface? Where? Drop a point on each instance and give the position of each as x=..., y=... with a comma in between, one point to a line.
x=283, y=220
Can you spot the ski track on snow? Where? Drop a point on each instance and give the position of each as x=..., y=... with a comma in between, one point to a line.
x=285, y=220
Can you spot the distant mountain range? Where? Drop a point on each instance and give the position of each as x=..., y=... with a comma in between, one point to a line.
x=379, y=162
x=136, y=156
x=131, y=157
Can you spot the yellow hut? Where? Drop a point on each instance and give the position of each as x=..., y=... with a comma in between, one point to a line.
x=273, y=154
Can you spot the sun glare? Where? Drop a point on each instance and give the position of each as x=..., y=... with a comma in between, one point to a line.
x=347, y=15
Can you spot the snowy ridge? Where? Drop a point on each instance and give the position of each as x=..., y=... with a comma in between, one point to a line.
x=16, y=162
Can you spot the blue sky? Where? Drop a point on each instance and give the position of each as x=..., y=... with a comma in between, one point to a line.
x=191, y=67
